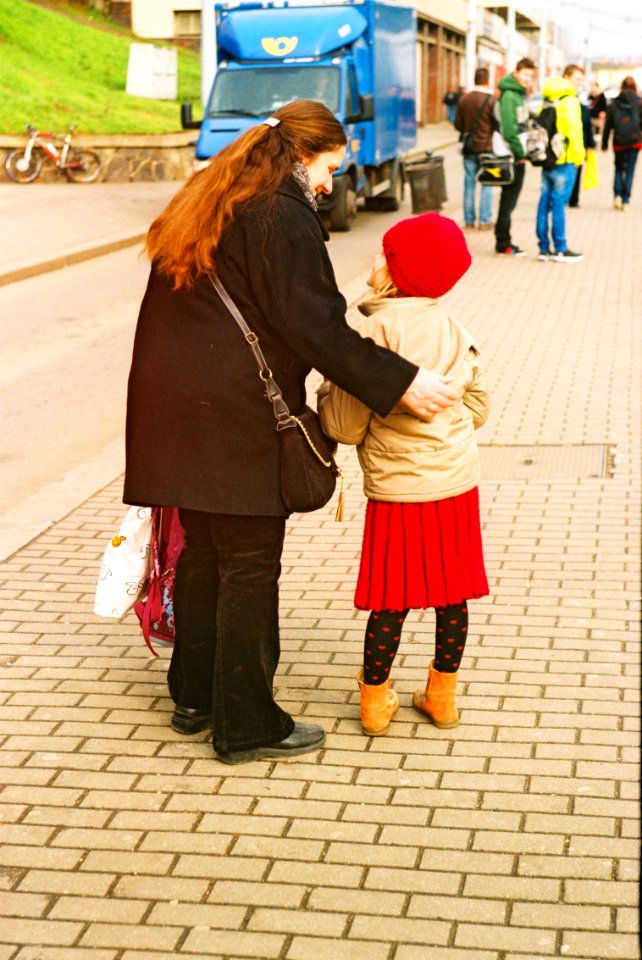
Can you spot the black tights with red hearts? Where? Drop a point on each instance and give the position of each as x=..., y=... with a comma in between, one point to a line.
x=383, y=633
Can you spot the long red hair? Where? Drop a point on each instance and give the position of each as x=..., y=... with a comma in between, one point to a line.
x=182, y=241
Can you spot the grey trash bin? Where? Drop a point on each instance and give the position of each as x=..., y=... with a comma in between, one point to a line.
x=427, y=183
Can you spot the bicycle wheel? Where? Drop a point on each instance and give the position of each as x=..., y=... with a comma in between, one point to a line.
x=83, y=166
x=21, y=170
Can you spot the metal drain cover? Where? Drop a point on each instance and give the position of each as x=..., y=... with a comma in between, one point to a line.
x=547, y=461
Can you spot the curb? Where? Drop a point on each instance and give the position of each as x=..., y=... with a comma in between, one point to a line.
x=32, y=268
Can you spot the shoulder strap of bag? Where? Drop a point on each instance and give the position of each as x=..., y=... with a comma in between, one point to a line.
x=279, y=406
x=473, y=131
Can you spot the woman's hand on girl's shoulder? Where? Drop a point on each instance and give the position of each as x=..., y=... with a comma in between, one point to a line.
x=428, y=393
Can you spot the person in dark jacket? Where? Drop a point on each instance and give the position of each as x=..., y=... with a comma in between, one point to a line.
x=200, y=431
x=598, y=106
x=451, y=98
x=624, y=118
x=589, y=144
x=474, y=121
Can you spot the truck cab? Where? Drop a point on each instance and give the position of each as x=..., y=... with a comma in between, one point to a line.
x=357, y=57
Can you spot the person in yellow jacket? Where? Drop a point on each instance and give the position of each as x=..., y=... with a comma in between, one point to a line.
x=422, y=541
x=559, y=179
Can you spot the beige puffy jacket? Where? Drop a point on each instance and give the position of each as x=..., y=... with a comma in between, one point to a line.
x=403, y=458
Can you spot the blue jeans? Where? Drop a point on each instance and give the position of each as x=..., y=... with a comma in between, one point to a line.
x=557, y=186
x=471, y=166
x=625, y=161
x=451, y=112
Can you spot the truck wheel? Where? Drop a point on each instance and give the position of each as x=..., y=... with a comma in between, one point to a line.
x=344, y=209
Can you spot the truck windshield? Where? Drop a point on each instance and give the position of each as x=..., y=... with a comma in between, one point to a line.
x=258, y=92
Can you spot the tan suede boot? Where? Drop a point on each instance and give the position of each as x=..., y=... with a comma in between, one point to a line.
x=439, y=700
x=378, y=706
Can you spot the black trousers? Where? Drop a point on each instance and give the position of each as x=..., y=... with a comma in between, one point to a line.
x=507, y=203
x=227, y=649
x=574, y=199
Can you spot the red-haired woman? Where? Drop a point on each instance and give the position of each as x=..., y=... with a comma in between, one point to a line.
x=200, y=433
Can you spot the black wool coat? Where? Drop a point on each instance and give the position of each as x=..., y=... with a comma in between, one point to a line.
x=200, y=431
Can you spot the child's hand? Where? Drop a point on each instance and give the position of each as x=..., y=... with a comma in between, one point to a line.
x=428, y=393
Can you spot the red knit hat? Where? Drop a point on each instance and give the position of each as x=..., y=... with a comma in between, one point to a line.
x=426, y=255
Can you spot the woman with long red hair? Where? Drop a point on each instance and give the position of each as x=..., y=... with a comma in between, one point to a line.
x=200, y=433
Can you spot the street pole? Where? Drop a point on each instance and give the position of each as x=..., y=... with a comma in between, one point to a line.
x=471, y=44
x=208, y=48
x=543, y=45
x=510, y=24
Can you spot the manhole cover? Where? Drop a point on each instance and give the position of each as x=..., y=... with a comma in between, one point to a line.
x=547, y=461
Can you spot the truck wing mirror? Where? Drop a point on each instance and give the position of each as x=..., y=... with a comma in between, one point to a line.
x=366, y=106
x=187, y=122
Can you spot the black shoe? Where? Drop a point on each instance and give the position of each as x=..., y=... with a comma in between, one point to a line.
x=190, y=720
x=511, y=251
x=304, y=738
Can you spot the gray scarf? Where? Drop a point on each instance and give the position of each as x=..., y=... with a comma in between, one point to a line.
x=300, y=174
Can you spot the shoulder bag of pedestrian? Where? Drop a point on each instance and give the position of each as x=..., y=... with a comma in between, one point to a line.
x=466, y=139
x=497, y=166
x=495, y=171
x=308, y=469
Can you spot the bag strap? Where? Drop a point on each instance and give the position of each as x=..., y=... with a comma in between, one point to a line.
x=284, y=418
x=479, y=116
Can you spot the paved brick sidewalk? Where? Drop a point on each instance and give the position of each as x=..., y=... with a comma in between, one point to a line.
x=513, y=837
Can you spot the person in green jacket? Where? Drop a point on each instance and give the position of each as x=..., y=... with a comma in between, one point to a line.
x=512, y=114
x=558, y=181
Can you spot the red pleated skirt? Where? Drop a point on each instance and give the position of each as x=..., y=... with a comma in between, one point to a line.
x=418, y=555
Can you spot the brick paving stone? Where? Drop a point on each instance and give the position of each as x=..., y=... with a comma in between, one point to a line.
x=321, y=948
x=412, y=952
x=514, y=836
x=241, y=943
x=600, y=946
x=37, y=952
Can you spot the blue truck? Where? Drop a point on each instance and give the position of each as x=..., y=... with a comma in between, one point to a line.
x=356, y=56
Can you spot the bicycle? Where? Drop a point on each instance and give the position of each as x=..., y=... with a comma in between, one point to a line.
x=24, y=165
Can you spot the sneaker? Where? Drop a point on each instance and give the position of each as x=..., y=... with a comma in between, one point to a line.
x=469, y=226
x=617, y=203
x=545, y=255
x=567, y=256
x=486, y=226
x=511, y=252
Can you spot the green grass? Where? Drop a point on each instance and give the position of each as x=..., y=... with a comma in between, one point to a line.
x=59, y=69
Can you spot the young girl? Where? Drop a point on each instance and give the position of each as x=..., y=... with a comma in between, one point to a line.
x=422, y=541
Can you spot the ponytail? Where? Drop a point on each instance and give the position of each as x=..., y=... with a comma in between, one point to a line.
x=183, y=240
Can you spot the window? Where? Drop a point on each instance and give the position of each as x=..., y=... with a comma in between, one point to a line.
x=259, y=91
x=187, y=23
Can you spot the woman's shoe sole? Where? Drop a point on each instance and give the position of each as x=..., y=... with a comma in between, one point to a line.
x=277, y=751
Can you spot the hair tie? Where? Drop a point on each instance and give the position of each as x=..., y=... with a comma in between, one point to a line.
x=272, y=122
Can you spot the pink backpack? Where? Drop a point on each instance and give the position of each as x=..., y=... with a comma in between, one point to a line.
x=156, y=611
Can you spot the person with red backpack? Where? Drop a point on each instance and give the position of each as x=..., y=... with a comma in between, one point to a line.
x=624, y=118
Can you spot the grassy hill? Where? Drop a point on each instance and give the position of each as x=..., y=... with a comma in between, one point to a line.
x=69, y=65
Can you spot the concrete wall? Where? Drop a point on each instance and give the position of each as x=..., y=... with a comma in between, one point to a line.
x=125, y=159
x=450, y=13
x=154, y=19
